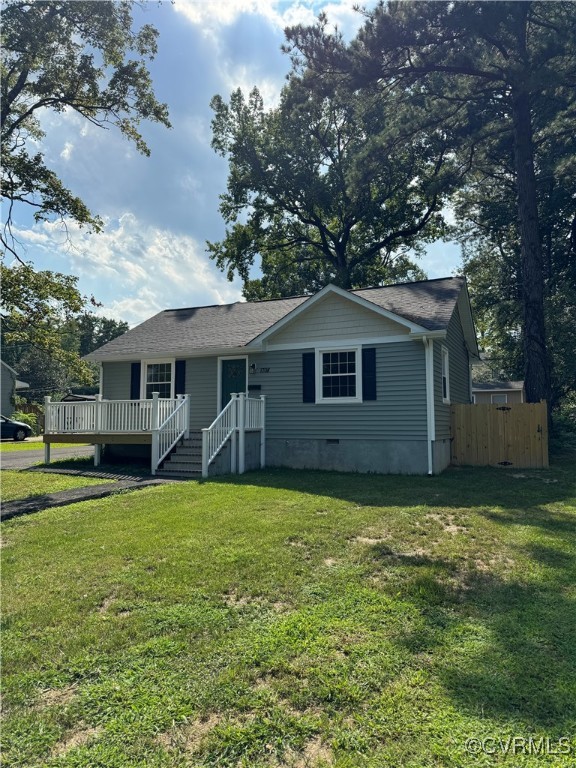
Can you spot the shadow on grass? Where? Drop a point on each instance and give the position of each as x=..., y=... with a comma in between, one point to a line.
x=456, y=488
x=500, y=646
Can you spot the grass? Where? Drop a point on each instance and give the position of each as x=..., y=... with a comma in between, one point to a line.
x=9, y=446
x=20, y=484
x=296, y=619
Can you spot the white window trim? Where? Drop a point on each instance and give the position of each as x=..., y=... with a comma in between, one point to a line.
x=338, y=400
x=144, y=375
x=445, y=373
x=499, y=402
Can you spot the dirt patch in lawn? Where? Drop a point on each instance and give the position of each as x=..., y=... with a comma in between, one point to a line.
x=76, y=738
x=57, y=697
x=189, y=737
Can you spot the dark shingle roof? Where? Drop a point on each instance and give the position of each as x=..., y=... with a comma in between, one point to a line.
x=428, y=303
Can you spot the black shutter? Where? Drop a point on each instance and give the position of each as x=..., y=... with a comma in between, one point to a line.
x=135, y=381
x=369, y=374
x=308, y=377
x=180, y=378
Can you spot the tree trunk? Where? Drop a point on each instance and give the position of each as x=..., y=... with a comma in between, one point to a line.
x=537, y=373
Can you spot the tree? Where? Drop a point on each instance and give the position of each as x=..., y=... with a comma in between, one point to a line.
x=326, y=187
x=494, y=69
x=44, y=345
x=61, y=55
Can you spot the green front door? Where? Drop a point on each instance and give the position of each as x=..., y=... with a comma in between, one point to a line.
x=233, y=378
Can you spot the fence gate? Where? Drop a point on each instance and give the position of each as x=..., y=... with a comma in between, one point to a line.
x=513, y=435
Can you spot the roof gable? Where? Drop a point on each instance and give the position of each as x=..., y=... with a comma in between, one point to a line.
x=277, y=330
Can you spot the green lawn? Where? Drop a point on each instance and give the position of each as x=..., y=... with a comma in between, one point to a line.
x=20, y=484
x=296, y=619
x=11, y=445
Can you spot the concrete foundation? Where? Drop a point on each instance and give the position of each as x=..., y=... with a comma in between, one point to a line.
x=398, y=457
x=441, y=455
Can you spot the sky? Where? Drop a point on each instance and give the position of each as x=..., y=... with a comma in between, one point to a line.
x=159, y=211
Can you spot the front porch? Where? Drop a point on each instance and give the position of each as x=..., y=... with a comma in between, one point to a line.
x=162, y=423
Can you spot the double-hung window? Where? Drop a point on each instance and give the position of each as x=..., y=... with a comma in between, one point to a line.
x=339, y=375
x=158, y=376
x=445, y=376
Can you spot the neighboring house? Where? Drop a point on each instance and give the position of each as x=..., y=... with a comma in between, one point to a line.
x=9, y=384
x=70, y=397
x=498, y=392
x=353, y=380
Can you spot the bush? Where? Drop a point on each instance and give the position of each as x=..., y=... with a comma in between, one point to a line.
x=27, y=418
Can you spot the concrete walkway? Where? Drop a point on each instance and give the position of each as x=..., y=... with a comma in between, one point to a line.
x=74, y=495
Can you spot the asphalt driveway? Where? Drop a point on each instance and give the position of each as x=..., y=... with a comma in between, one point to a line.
x=25, y=459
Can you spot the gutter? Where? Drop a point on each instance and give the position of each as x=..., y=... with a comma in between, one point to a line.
x=430, y=416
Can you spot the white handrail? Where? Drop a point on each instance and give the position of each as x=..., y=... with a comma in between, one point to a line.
x=216, y=435
x=241, y=413
x=165, y=437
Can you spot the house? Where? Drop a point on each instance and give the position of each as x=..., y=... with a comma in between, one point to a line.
x=358, y=380
x=498, y=392
x=9, y=384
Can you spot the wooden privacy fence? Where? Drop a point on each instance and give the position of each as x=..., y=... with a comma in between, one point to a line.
x=513, y=435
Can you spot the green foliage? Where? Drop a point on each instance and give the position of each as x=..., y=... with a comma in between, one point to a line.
x=46, y=329
x=68, y=56
x=27, y=418
x=326, y=187
x=499, y=79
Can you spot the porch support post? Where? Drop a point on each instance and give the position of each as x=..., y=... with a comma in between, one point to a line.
x=47, y=415
x=234, y=436
x=46, y=453
x=263, y=431
x=97, y=454
x=98, y=414
x=155, y=436
x=241, y=433
x=187, y=417
x=205, y=432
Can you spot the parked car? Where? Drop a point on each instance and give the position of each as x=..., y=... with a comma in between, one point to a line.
x=16, y=430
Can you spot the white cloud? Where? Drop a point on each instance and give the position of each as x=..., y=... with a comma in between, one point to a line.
x=66, y=153
x=211, y=15
x=149, y=268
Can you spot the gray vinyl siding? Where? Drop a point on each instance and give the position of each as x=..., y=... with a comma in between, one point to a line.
x=399, y=412
x=459, y=374
x=116, y=381
x=202, y=385
x=335, y=318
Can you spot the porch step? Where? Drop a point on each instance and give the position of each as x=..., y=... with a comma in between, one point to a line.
x=185, y=461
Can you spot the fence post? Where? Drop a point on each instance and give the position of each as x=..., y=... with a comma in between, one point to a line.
x=241, y=433
x=205, y=432
x=263, y=431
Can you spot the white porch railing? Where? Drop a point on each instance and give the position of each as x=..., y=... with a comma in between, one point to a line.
x=100, y=415
x=166, y=435
x=167, y=419
x=240, y=414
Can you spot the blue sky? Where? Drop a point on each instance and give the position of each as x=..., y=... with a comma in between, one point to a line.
x=159, y=211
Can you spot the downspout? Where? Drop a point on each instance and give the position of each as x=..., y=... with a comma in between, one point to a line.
x=430, y=416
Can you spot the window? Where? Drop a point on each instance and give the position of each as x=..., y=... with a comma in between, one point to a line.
x=499, y=398
x=158, y=377
x=339, y=374
x=445, y=376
